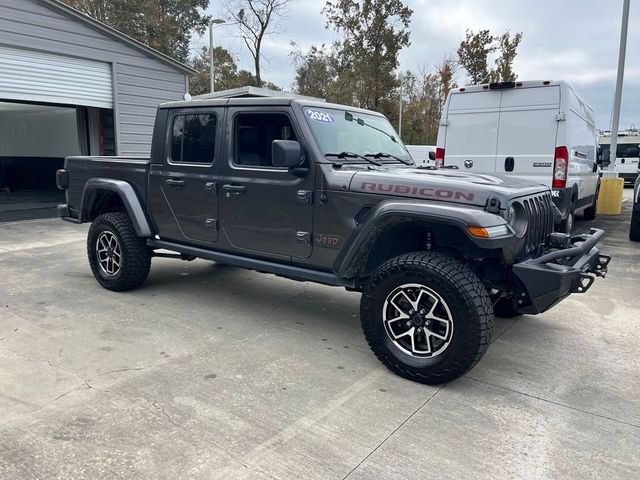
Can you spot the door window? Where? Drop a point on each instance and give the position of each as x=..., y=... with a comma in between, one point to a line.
x=254, y=133
x=193, y=138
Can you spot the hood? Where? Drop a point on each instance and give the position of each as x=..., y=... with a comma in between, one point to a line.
x=443, y=185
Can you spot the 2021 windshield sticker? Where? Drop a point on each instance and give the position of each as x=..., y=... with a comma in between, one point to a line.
x=319, y=116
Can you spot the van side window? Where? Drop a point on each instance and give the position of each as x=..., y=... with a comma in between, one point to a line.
x=253, y=135
x=193, y=138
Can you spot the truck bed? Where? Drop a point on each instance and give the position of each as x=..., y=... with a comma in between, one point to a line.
x=134, y=170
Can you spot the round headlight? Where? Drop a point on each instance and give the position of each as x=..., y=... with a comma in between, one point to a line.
x=517, y=218
x=511, y=215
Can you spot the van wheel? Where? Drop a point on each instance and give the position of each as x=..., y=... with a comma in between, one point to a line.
x=566, y=225
x=119, y=259
x=426, y=317
x=634, y=230
x=590, y=212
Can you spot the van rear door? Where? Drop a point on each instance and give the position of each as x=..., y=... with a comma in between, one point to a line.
x=471, y=131
x=527, y=132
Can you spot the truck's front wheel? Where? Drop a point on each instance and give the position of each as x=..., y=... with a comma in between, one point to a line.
x=427, y=317
x=119, y=259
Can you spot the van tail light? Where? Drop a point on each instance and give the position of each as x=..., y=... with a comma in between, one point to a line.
x=439, y=157
x=560, y=167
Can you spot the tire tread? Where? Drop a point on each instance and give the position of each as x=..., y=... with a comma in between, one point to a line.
x=469, y=286
x=136, y=253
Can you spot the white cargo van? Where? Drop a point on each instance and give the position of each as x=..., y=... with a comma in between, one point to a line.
x=539, y=130
x=423, y=155
x=627, y=153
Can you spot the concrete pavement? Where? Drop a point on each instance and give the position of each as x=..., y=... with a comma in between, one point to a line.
x=215, y=372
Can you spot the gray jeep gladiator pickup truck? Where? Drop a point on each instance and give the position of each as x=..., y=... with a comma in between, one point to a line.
x=327, y=193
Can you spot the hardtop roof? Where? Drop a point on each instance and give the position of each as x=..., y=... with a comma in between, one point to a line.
x=263, y=102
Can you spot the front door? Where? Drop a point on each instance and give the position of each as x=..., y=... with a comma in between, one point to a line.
x=184, y=187
x=264, y=209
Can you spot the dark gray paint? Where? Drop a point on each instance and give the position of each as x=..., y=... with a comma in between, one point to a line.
x=259, y=227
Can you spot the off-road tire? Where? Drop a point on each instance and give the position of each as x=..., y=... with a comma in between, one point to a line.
x=135, y=254
x=634, y=229
x=566, y=225
x=590, y=212
x=504, y=309
x=467, y=300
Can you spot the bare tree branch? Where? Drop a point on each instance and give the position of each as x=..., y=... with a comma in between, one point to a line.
x=256, y=19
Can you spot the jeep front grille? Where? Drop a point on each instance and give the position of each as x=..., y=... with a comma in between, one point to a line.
x=539, y=211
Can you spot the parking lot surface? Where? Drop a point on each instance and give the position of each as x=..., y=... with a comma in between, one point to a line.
x=209, y=371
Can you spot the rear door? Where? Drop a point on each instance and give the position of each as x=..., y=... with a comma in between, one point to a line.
x=472, y=130
x=184, y=187
x=527, y=132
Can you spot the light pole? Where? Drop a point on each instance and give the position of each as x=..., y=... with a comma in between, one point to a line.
x=400, y=112
x=215, y=21
x=618, y=97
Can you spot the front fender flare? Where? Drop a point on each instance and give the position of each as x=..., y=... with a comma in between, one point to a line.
x=358, y=244
x=128, y=196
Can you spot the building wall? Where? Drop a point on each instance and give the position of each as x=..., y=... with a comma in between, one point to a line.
x=141, y=82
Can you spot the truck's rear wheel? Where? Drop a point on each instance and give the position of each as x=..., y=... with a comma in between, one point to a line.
x=119, y=259
x=426, y=317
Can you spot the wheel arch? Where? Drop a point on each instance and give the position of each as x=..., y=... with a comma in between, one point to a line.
x=102, y=195
x=398, y=228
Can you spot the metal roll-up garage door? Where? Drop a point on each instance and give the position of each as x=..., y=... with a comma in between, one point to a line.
x=43, y=77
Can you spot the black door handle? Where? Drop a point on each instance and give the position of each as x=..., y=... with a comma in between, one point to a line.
x=174, y=183
x=509, y=163
x=234, y=189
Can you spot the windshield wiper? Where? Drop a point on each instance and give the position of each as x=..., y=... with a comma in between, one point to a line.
x=352, y=155
x=388, y=155
x=350, y=117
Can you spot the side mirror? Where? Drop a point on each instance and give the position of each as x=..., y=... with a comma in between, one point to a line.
x=604, y=159
x=432, y=155
x=286, y=153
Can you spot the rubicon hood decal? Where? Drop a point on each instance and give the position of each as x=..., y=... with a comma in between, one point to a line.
x=442, y=185
x=424, y=192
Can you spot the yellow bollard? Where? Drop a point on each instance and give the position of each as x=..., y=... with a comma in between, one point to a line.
x=610, y=197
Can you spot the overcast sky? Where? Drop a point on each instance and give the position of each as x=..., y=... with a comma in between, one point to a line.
x=572, y=40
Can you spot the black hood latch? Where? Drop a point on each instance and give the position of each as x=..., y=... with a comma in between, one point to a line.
x=493, y=205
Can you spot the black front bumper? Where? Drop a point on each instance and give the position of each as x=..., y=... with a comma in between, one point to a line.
x=569, y=268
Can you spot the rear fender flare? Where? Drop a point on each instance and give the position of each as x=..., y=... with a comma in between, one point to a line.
x=359, y=244
x=128, y=196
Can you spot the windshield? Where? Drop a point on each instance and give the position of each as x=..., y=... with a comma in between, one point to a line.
x=359, y=134
x=623, y=150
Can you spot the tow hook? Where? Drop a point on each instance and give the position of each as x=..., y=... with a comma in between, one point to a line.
x=585, y=281
x=583, y=284
x=601, y=267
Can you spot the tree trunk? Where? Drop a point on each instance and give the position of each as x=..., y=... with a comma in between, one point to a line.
x=257, y=64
